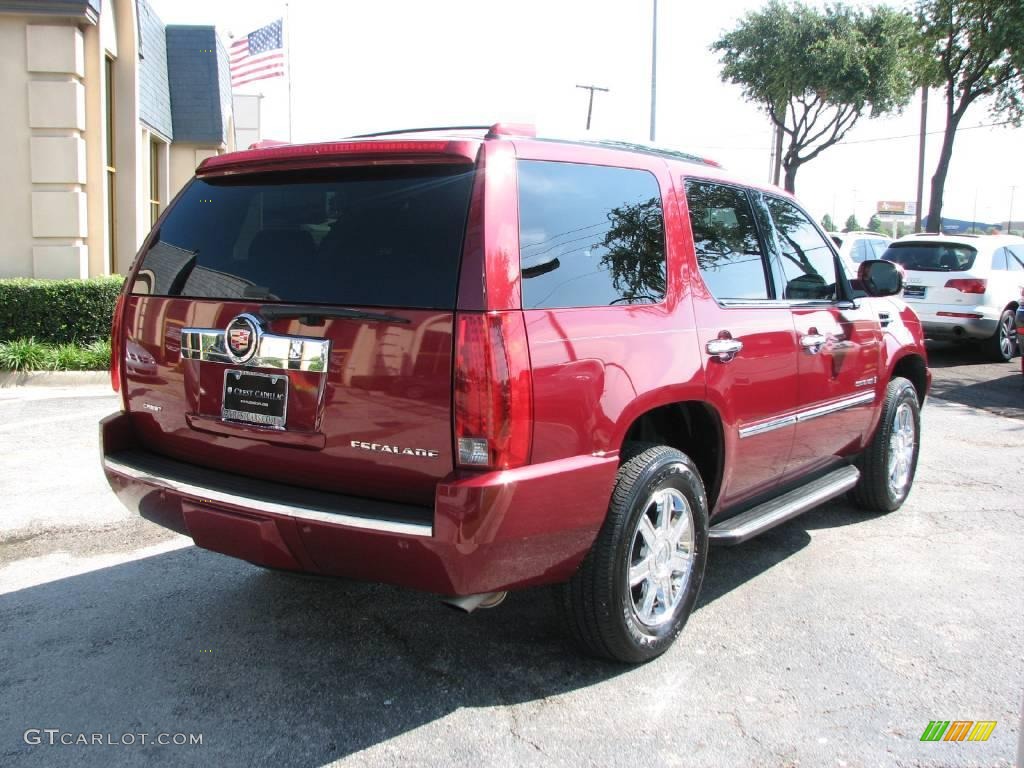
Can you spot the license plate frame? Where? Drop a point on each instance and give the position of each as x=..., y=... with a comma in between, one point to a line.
x=267, y=392
x=914, y=291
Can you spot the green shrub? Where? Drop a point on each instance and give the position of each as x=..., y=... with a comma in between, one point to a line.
x=97, y=356
x=30, y=355
x=24, y=355
x=58, y=311
x=69, y=357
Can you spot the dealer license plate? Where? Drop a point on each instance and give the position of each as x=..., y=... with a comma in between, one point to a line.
x=255, y=398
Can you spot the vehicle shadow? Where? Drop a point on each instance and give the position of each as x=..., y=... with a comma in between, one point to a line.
x=979, y=383
x=950, y=354
x=271, y=669
x=277, y=669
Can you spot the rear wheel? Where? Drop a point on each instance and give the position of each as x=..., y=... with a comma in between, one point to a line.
x=888, y=466
x=636, y=588
x=1002, y=345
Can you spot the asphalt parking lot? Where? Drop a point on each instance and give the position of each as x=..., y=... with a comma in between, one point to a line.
x=830, y=641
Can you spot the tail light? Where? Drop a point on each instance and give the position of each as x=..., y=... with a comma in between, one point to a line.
x=493, y=390
x=116, y=344
x=967, y=285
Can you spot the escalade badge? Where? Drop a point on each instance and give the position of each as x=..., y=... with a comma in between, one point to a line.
x=242, y=338
x=425, y=453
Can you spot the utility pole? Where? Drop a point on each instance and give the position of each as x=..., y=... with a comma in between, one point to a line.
x=920, y=158
x=1009, y=221
x=590, y=103
x=777, y=140
x=654, y=70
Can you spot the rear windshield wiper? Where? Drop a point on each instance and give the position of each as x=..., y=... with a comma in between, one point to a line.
x=314, y=315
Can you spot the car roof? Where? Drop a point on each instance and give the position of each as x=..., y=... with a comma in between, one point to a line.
x=865, y=233
x=975, y=241
x=469, y=135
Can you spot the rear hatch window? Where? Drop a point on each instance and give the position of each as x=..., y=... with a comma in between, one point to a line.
x=385, y=237
x=932, y=257
x=374, y=253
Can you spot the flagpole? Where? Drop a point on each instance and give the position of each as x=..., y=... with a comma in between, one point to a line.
x=288, y=43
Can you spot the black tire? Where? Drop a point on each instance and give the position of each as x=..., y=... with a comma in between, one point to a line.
x=599, y=603
x=874, y=491
x=1002, y=345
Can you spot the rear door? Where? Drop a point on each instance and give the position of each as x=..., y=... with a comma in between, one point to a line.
x=754, y=385
x=297, y=327
x=839, y=341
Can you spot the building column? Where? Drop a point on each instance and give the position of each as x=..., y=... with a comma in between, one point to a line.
x=55, y=61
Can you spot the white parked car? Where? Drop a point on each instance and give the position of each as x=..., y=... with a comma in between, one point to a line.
x=855, y=247
x=965, y=287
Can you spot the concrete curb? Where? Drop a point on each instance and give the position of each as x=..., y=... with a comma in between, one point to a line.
x=52, y=378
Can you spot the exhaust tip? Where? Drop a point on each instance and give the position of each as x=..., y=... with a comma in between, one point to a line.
x=469, y=603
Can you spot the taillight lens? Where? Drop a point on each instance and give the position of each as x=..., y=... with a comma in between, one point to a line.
x=116, y=344
x=967, y=285
x=493, y=390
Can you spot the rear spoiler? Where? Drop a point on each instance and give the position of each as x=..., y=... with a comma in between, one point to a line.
x=338, y=153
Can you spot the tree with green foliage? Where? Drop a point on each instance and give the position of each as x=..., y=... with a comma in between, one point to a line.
x=875, y=224
x=816, y=72
x=827, y=224
x=852, y=225
x=971, y=49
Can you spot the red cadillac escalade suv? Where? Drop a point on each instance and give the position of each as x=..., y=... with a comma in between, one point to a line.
x=471, y=361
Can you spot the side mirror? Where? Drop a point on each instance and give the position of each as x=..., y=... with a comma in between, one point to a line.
x=878, y=277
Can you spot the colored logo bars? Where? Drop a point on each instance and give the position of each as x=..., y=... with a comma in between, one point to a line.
x=958, y=730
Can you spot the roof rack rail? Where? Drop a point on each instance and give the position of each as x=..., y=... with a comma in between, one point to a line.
x=434, y=129
x=493, y=131
x=499, y=130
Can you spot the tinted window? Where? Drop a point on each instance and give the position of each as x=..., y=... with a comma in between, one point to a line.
x=367, y=237
x=589, y=235
x=725, y=240
x=932, y=257
x=807, y=263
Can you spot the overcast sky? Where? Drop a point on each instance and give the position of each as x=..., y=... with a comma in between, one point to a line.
x=363, y=66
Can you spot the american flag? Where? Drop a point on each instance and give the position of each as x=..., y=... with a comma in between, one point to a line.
x=258, y=55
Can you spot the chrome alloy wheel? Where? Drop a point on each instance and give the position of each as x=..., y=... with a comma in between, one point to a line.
x=661, y=557
x=902, y=446
x=1007, y=335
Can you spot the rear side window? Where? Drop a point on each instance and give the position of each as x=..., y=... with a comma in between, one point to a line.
x=1015, y=257
x=932, y=257
x=389, y=237
x=725, y=241
x=878, y=248
x=589, y=235
x=999, y=260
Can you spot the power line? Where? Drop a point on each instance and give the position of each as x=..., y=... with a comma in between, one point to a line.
x=879, y=138
x=928, y=133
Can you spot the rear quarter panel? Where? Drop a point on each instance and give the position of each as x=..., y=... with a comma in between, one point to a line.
x=596, y=369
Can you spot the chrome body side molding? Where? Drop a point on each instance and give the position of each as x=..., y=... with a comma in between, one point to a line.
x=807, y=414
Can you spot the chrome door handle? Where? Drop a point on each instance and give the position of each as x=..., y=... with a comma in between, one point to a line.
x=724, y=349
x=813, y=342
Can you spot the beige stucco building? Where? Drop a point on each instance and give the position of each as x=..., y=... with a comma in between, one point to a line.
x=106, y=113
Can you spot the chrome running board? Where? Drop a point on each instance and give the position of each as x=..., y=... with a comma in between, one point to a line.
x=748, y=524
